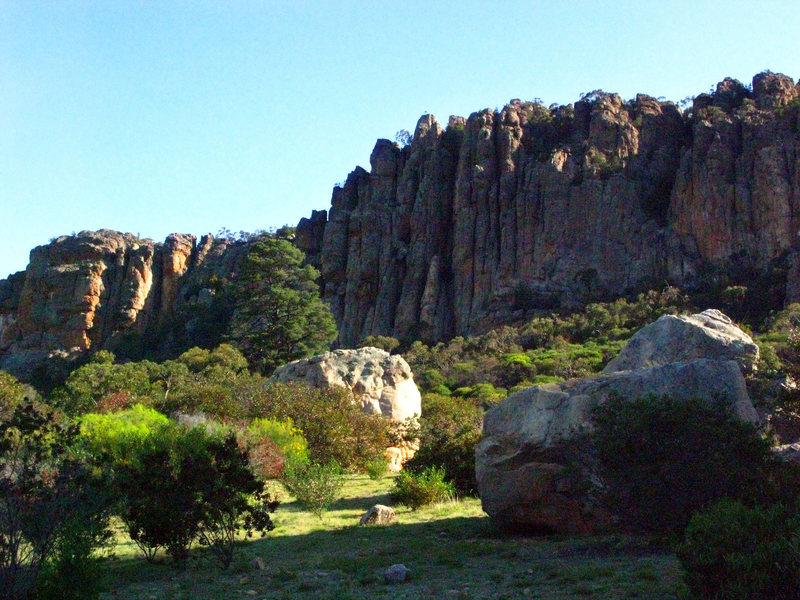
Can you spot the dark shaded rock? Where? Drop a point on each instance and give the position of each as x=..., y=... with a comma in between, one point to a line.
x=535, y=467
x=531, y=207
x=396, y=574
x=730, y=93
x=308, y=236
x=773, y=90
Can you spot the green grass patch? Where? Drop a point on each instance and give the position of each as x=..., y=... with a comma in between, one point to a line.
x=452, y=549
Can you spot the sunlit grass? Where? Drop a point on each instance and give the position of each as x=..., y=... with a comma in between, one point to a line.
x=451, y=548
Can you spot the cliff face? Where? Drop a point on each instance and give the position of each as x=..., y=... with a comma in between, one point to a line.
x=530, y=207
x=91, y=290
x=472, y=225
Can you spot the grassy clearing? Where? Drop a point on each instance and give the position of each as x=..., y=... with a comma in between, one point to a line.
x=451, y=548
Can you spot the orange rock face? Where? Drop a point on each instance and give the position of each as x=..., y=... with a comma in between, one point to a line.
x=86, y=291
x=77, y=289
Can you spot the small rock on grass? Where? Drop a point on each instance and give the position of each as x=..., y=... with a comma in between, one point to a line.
x=396, y=574
x=379, y=515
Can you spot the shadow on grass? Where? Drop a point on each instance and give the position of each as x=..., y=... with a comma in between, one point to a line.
x=343, y=504
x=402, y=538
x=361, y=503
x=444, y=554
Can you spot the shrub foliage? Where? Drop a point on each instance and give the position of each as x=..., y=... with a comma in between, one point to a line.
x=661, y=459
x=426, y=487
x=316, y=486
x=733, y=552
x=53, y=507
x=177, y=485
x=333, y=424
x=450, y=428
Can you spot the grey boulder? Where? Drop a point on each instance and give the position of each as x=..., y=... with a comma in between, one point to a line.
x=673, y=338
x=535, y=468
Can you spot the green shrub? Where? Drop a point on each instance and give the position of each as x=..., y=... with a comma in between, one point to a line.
x=518, y=359
x=661, y=459
x=118, y=436
x=430, y=379
x=216, y=382
x=384, y=342
x=522, y=385
x=450, y=428
x=12, y=392
x=418, y=489
x=442, y=390
x=462, y=374
x=545, y=379
x=377, y=467
x=232, y=499
x=315, y=486
x=217, y=391
x=224, y=357
x=271, y=443
x=487, y=394
x=334, y=426
x=187, y=484
x=96, y=381
x=514, y=368
x=733, y=552
x=54, y=507
x=74, y=571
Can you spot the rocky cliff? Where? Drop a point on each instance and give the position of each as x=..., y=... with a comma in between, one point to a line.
x=471, y=225
x=97, y=289
x=530, y=207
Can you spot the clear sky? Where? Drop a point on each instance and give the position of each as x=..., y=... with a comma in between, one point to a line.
x=160, y=116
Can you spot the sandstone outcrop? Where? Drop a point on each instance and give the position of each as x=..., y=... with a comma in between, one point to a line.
x=673, y=338
x=91, y=290
x=382, y=383
x=535, y=467
x=530, y=207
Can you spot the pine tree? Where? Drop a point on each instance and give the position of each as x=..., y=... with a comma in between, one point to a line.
x=278, y=315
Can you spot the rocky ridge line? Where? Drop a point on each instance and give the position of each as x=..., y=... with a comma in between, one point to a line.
x=472, y=225
x=528, y=207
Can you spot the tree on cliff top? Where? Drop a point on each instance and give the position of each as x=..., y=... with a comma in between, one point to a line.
x=278, y=314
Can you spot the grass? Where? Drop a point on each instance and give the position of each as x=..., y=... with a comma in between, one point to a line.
x=451, y=549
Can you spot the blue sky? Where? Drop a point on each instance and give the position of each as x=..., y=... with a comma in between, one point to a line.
x=154, y=117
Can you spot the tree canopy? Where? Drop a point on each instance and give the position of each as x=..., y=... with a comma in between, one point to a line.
x=278, y=315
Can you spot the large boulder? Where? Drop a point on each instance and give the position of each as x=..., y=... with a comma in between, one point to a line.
x=381, y=382
x=672, y=338
x=536, y=469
